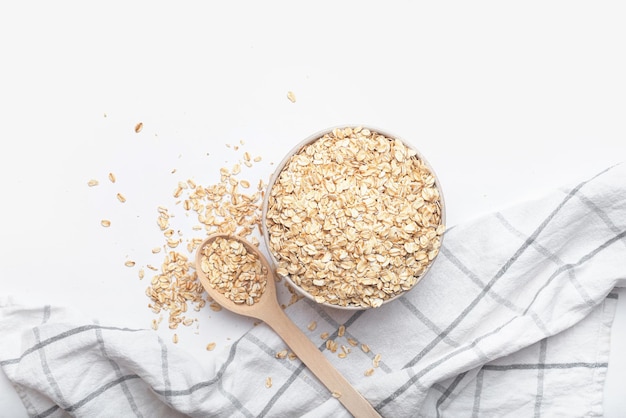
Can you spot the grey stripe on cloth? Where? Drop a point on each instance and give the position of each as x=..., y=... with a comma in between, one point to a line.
x=601, y=214
x=426, y=321
x=580, y=262
x=169, y=393
x=283, y=389
x=543, y=366
x=296, y=372
x=234, y=400
x=69, y=333
x=478, y=393
x=448, y=391
x=314, y=384
x=99, y=391
x=490, y=292
x=476, y=280
x=549, y=256
x=46, y=314
x=543, y=347
x=118, y=374
x=165, y=374
x=48, y=373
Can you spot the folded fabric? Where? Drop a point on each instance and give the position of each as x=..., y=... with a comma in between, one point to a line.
x=514, y=319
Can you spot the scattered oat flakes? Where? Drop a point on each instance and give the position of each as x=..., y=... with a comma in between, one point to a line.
x=369, y=372
x=292, y=356
x=268, y=382
x=139, y=127
x=175, y=338
x=155, y=324
x=141, y=273
x=312, y=326
x=376, y=360
x=121, y=197
x=220, y=208
x=353, y=342
x=341, y=331
x=129, y=263
x=257, y=159
x=112, y=177
x=365, y=348
x=156, y=250
x=211, y=346
x=336, y=394
x=105, y=223
x=324, y=335
x=291, y=96
x=92, y=183
x=281, y=354
x=175, y=289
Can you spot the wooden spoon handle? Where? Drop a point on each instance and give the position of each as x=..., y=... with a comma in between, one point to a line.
x=319, y=365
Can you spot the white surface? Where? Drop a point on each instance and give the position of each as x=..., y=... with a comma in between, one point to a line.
x=506, y=101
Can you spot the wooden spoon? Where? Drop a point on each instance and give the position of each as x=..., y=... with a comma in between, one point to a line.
x=269, y=311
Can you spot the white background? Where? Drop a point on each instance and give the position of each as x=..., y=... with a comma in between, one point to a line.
x=506, y=100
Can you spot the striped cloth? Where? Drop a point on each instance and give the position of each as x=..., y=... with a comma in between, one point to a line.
x=514, y=319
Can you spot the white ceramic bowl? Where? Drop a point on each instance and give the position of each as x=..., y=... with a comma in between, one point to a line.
x=310, y=139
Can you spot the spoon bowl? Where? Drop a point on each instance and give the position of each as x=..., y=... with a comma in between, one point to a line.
x=267, y=309
x=268, y=299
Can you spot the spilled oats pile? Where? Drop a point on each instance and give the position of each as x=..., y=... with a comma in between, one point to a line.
x=354, y=218
x=231, y=206
x=224, y=207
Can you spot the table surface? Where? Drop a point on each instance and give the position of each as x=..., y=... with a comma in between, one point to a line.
x=506, y=101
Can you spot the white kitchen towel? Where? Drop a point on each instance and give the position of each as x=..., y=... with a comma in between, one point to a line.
x=513, y=319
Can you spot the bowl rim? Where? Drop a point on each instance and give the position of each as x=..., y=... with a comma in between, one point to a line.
x=281, y=165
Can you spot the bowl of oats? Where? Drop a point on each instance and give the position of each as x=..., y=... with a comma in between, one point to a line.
x=353, y=217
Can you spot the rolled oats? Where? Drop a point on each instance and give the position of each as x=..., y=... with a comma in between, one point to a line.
x=354, y=218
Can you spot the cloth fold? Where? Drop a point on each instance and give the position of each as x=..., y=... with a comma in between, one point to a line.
x=514, y=319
